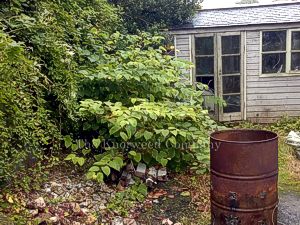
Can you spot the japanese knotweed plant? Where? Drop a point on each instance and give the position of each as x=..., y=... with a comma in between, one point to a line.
x=136, y=104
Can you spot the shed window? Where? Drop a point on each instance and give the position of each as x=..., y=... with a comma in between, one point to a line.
x=274, y=52
x=295, y=51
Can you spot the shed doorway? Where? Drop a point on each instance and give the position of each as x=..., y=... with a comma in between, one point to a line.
x=219, y=64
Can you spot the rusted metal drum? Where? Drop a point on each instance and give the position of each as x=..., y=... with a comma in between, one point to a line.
x=244, y=177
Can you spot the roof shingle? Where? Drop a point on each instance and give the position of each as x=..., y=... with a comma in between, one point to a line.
x=242, y=16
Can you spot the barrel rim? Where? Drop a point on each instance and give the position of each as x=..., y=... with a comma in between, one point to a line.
x=244, y=142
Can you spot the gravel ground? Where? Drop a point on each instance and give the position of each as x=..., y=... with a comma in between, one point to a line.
x=289, y=209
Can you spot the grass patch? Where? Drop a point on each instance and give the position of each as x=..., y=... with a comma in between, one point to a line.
x=289, y=166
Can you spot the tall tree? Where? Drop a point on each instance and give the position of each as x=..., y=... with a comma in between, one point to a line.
x=144, y=15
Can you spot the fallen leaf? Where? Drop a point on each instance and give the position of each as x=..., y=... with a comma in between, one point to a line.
x=185, y=194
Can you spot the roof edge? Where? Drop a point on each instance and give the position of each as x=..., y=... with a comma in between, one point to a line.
x=231, y=26
x=250, y=6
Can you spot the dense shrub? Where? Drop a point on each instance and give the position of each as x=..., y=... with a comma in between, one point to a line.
x=25, y=128
x=156, y=14
x=136, y=99
x=39, y=60
x=65, y=70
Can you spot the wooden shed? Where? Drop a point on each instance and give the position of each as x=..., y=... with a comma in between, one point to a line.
x=249, y=57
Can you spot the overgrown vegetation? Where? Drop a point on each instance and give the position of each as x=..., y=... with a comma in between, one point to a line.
x=156, y=14
x=289, y=178
x=68, y=69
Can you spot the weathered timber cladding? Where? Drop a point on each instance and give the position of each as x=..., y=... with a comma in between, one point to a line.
x=268, y=98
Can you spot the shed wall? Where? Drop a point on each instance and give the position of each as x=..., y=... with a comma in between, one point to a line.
x=268, y=98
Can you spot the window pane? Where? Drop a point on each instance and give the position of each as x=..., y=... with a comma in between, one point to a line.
x=274, y=41
x=273, y=63
x=204, y=46
x=233, y=103
x=296, y=40
x=209, y=81
x=231, y=44
x=295, y=61
x=231, y=84
x=231, y=64
x=204, y=65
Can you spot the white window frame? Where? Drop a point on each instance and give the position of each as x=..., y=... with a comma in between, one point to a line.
x=292, y=51
x=288, y=72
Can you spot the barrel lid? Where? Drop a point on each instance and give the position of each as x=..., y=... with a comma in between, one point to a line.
x=244, y=136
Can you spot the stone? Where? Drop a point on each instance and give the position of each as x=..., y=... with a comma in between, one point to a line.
x=289, y=208
x=129, y=222
x=85, y=211
x=152, y=172
x=76, y=208
x=102, y=207
x=167, y=222
x=91, y=220
x=54, y=219
x=141, y=170
x=75, y=223
x=34, y=212
x=117, y=221
x=162, y=174
x=40, y=203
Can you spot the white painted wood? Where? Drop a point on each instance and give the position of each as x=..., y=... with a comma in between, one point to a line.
x=235, y=29
x=268, y=97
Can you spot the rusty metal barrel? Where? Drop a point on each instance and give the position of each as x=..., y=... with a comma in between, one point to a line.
x=244, y=177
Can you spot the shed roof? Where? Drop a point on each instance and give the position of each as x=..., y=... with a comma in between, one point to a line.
x=243, y=16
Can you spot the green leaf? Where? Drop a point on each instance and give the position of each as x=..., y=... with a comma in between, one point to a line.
x=114, y=129
x=133, y=153
x=68, y=141
x=86, y=151
x=90, y=175
x=148, y=135
x=129, y=131
x=132, y=121
x=124, y=136
x=114, y=165
x=81, y=161
x=94, y=169
x=164, y=162
x=143, y=189
x=174, y=132
x=147, y=158
x=119, y=160
x=96, y=142
x=81, y=143
x=106, y=170
x=138, y=157
x=74, y=147
x=172, y=140
x=139, y=134
x=100, y=177
x=165, y=133
x=70, y=157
